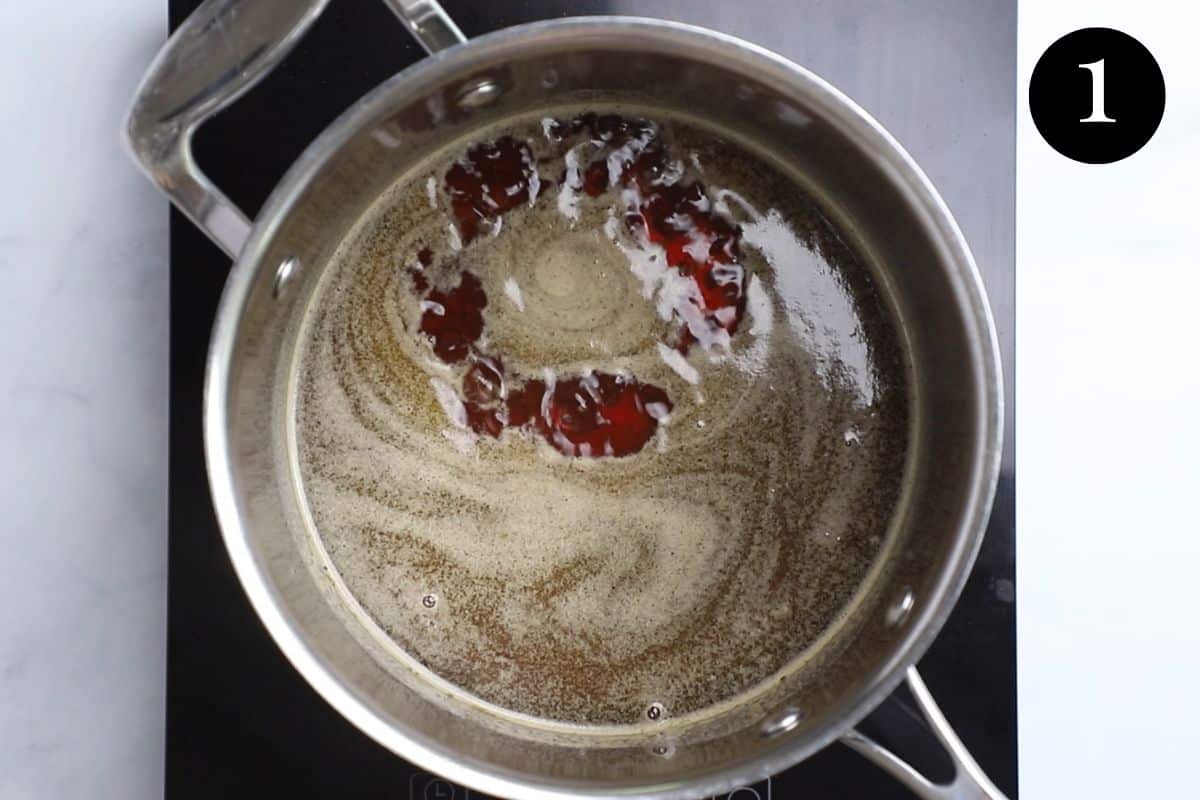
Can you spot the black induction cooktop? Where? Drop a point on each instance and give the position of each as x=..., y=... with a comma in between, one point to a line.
x=240, y=721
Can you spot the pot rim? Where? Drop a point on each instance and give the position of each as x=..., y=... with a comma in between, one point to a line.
x=614, y=32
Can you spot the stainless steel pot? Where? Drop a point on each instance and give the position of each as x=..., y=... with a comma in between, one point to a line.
x=859, y=173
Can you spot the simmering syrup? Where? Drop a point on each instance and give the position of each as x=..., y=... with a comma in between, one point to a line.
x=618, y=395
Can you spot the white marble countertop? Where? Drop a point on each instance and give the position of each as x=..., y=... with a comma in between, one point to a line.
x=1109, y=649
x=83, y=470
x=1107, y=435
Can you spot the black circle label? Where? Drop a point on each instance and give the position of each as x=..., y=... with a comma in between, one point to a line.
x=1097, y=95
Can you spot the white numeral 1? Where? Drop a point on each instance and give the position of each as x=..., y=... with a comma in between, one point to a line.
x=1097, y=70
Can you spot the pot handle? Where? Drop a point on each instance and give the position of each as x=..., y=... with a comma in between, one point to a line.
x=428, y=22
x=216, y=55
x=970, y=782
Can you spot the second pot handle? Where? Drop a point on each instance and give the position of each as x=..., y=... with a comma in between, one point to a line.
x=970, y=782
x=219, y=52
x=428, y=22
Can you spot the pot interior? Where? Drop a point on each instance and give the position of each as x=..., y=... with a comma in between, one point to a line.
x=862, y=182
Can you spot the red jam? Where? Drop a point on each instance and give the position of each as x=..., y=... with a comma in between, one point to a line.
x=493, y=178
x=599, y=413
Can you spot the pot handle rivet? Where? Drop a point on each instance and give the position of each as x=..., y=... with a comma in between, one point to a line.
x=284, y=275
x=478, y=93
x=783, y=722
x=900, y=610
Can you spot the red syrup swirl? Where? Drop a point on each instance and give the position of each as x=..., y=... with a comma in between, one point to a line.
x=597, y=413
x=590, y=415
